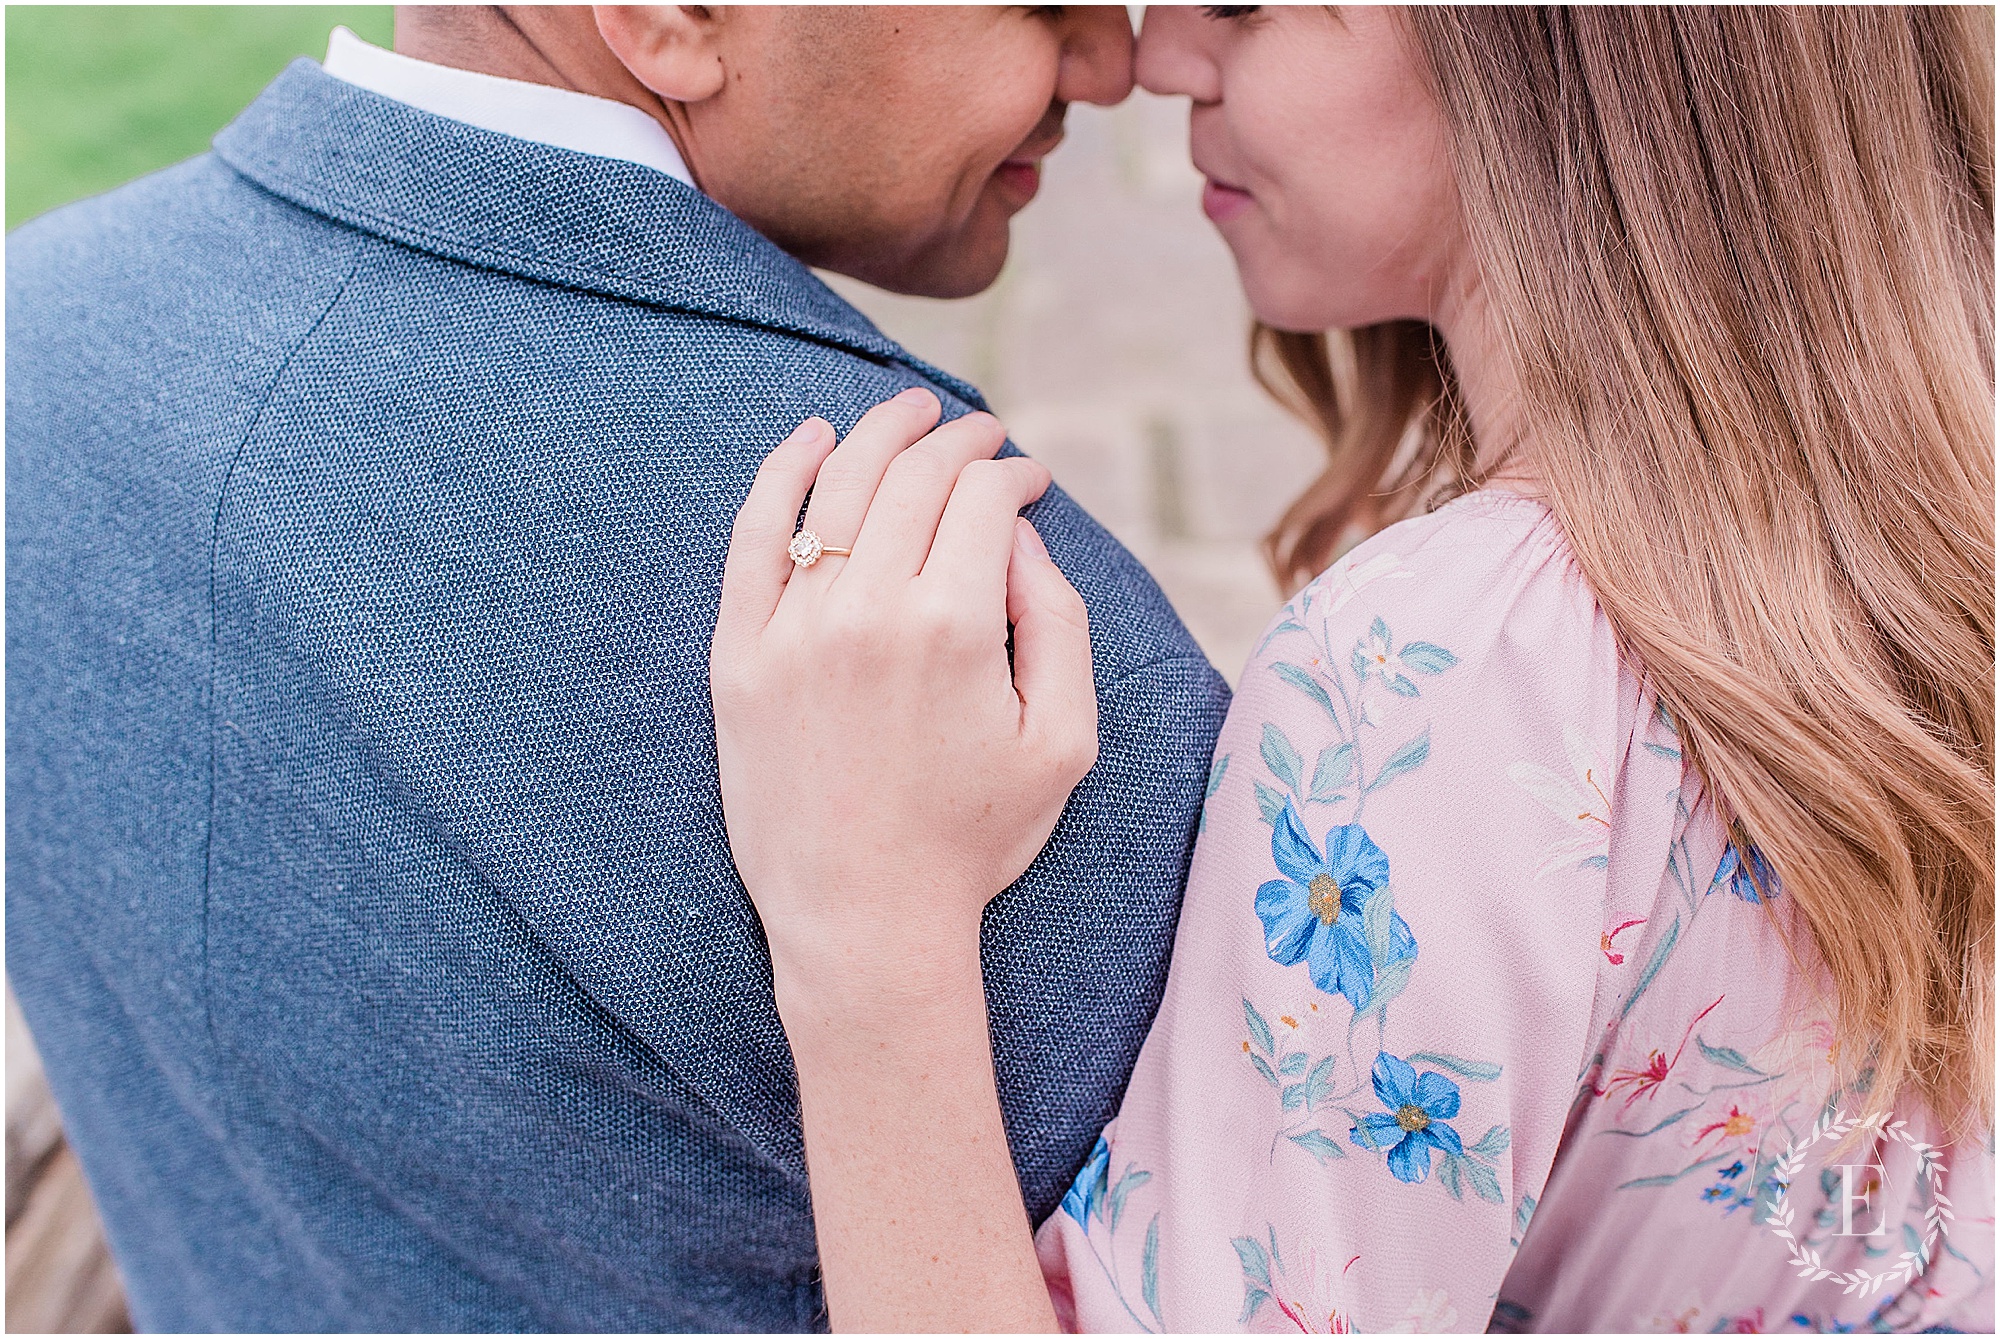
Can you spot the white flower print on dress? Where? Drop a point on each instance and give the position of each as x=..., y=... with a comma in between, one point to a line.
x=1346, y=582
x=1580, y=801
x=1429, y=1312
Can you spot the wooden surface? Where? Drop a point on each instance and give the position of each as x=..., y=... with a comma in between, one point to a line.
x=60, y=1278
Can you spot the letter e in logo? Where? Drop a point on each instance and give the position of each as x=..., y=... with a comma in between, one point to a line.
x=1849, y=1198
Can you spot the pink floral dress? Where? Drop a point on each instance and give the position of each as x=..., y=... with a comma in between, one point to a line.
x=1474, y=1018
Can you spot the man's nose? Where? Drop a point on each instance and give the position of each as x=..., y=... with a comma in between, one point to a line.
x=1097, y=55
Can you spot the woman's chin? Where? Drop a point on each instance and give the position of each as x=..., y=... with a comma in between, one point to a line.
x=1288, y=321
x=1283, y=298
x=1279, y=300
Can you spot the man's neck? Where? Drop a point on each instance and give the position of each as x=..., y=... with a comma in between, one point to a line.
x=557, y=45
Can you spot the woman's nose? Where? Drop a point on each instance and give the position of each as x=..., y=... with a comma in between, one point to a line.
x=1171, y=60
x=1097, y=55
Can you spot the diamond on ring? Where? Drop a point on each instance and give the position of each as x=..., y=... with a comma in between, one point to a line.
x=805, y=548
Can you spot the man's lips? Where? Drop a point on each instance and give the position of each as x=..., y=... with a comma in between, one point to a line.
x=1021, y=174
x=1222, y=203
x=1020, y=177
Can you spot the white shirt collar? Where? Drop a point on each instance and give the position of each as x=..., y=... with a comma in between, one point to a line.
x=538, y=112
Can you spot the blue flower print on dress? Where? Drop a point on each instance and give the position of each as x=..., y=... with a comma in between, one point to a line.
x=1086, y=1194
x=1745, y=878
x=1414, y=1124
x=1095, y=1197
x=1315, y=912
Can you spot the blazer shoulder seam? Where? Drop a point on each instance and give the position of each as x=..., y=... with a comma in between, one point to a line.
x=214, y=621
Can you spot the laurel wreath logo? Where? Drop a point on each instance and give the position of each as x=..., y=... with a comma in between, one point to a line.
x=1834, y=1126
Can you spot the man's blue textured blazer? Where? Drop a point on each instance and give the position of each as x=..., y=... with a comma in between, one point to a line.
x=368, y=484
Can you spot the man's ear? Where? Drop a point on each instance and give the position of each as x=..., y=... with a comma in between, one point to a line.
x=672, y=49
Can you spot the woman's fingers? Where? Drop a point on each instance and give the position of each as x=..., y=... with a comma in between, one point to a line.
x=1052, y=668
x=975, y=536
x=850, y=476
x=903, y=519
x=755, y=573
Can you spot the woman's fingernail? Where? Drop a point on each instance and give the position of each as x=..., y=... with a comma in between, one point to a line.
x=914, y=393
x=810, y=429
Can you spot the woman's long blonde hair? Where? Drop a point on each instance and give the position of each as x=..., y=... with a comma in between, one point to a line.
x=1740, y=262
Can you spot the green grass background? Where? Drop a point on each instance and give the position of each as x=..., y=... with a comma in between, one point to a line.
x=100, y=94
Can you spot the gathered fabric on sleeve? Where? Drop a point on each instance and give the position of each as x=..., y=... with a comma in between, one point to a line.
x=1452, y=963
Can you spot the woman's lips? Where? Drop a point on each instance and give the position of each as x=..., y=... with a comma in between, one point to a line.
x=1222, y=203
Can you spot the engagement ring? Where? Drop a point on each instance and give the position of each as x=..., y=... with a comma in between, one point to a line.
x=806, y=549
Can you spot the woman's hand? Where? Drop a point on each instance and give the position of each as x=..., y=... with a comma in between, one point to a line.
x=885, y=772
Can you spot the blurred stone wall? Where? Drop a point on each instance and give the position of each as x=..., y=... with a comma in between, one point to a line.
x=1113, y=346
